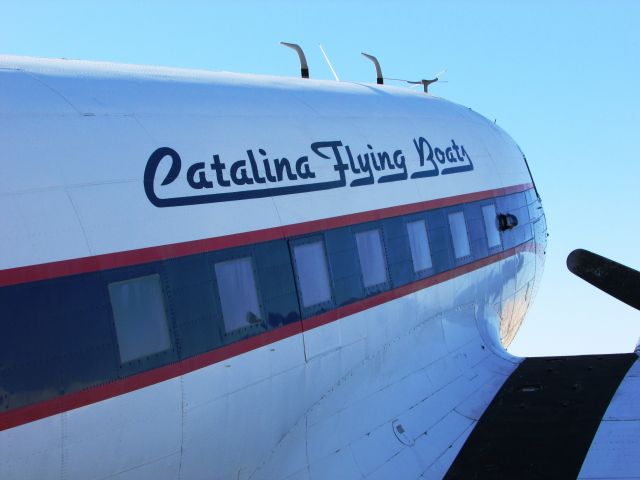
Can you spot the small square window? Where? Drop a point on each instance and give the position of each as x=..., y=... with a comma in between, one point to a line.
x=238, y=294
x=419, y=244
x=371, y=255
x=491, y=225
x=313, y=274
x=459, y=234
x=140, y=317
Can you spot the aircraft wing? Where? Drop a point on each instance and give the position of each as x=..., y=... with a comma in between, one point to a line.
x=559, y=417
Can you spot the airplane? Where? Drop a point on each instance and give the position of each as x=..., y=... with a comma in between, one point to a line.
x=210, y=275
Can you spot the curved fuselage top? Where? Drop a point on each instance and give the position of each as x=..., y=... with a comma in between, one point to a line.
x=101, y=158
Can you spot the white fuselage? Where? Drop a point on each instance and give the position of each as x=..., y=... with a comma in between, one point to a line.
x=312, y=398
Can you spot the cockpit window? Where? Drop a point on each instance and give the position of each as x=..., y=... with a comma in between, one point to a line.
x=140, y=317
x=459, y=234
x=238, y=293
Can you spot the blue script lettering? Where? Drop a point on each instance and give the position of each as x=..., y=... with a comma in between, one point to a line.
x=224, y=181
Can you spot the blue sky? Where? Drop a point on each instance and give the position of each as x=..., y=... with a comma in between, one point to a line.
x=563, y=78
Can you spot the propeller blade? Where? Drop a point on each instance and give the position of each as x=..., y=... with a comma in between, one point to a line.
x=611, y=277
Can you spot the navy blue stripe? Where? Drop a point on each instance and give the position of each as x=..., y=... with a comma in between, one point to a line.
x=59, y=335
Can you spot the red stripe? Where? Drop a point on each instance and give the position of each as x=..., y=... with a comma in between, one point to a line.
x=106, y=261
x=22, y=415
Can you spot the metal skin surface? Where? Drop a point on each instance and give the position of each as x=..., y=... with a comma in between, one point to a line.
x=613, y=450
x=389, y=392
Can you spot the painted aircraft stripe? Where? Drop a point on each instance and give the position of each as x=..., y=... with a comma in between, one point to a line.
x=107, y=261
x=79, y=399
x=542, y=421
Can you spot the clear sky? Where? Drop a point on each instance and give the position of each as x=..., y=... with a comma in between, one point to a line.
x=563, y=78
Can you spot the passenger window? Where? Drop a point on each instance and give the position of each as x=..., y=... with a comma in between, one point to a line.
x=419, y=244
x=313, y=274
x=491, y=225
x=238, y=294
x=140, y=317
x=371, y=255
x=458, y=228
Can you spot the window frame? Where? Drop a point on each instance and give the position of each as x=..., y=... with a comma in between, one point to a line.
x=318, y=307
x=240, y=332
x=465, y=258
x=152, y=360
x=378, y=287
x=425, y=272
x=498, y=247
x=254, y=272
